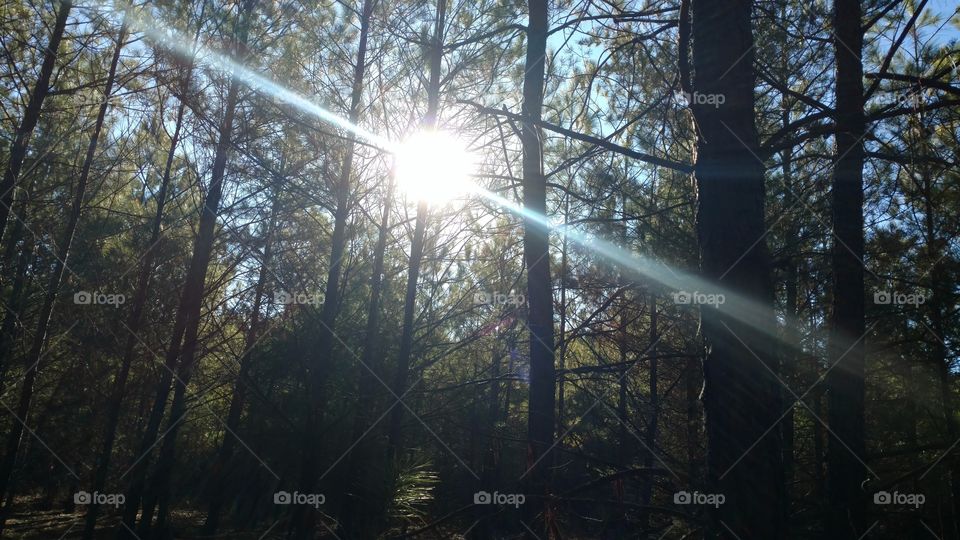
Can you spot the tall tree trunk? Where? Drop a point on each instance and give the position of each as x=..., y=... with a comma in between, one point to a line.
x=490, y=470
x=625, y=446
x=650, y=438
x=18, y=150
x=134, y=325
x=219, y=472
x=33, y=360
x=16, y=302
x=536, y=255
x=303, y=518
x=790, y=360
x=200, y=263
x=368, y=373
x=844, y=381
x=562, y=353
x=741, y=396
x=186, y=323
x=402, y=369
x=792, y=352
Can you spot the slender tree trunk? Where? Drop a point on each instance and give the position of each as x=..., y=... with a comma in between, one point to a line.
x=536, y=254
x=399, y=386
x=33, y=360
x=14, y=308
x=219, y=472
x=21, y=139
x=650, y=438
x=844, y=381
x=789, y=362
x=625, y=439
x=134, y=325
x=741, y=396
x=303, y=518
x=354, y=526
x=184, y=336
x=791, y=357
x=402, y=368
x=562, y=353
x=490, y=470
x=203, y=248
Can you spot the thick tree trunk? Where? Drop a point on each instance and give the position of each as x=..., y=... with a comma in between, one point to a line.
x=33, y=360
x=741, y=396
x=536, y=255
x=21, y=139
x=844, y=381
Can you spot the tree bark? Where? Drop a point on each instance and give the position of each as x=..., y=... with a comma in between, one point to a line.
x=844, y=381
x=536, y=255
x=741, y=396
x=402, y=369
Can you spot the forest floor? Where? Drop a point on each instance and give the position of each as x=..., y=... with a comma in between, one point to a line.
x=52, y=524
x=33, y=524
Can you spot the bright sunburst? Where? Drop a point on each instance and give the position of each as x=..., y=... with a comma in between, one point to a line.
x=434, y=166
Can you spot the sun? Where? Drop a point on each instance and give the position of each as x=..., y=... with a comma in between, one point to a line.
x=434, y=166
